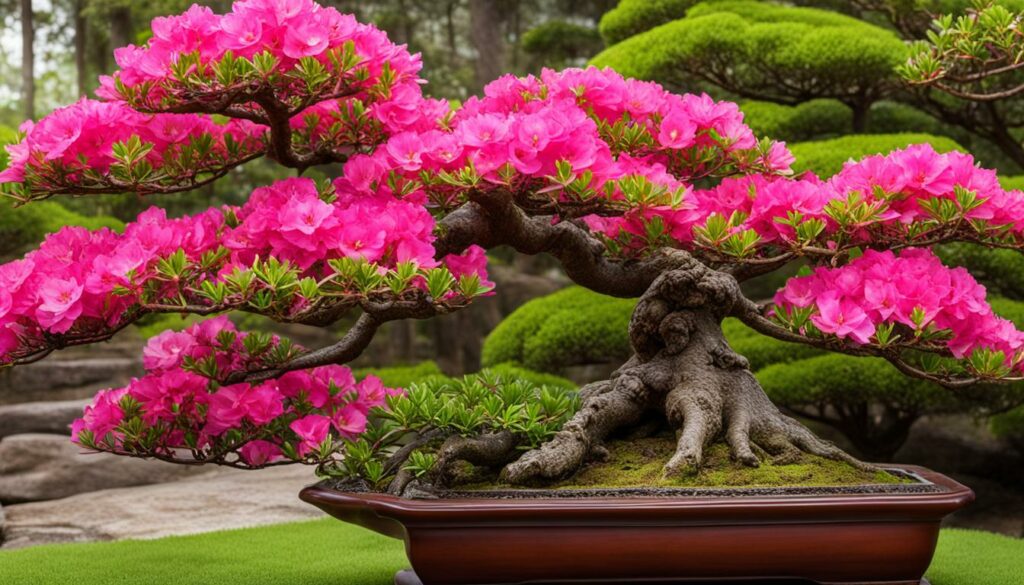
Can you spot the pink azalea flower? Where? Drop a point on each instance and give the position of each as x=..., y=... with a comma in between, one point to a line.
x=312, y=430
x=166, y=350
x=259, y=452
x=60, y=305
x=842, y=318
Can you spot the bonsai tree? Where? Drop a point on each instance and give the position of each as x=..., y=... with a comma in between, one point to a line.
x=638, y=192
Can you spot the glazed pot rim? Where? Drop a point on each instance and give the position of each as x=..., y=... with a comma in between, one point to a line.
x=946, y=496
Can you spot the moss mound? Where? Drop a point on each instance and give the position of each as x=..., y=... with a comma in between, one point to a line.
x=638, y=463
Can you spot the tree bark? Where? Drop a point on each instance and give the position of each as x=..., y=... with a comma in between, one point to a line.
x=81, y=34
x=684, y=370
x=487, y=33
x=122, y=31
x=28, y=56
x=860, y=116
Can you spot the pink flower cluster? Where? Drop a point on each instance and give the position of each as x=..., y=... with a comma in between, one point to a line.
x=898, y=182
x=189, y=412
x=90, y=280
x=72, y=276
x=289, y=30
x=289, y=220
x=878, y=288
x=81, y=137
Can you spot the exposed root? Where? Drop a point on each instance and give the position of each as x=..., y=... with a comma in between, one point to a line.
x=490, y=450
x=607, y=408
x=684, y=369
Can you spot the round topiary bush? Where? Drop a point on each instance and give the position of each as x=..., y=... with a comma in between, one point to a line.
x=571, y=327
x=827, y=157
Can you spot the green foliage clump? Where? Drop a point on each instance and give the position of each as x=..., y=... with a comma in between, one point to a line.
x=509, y=371
x=7, y=136
x=806, y=121
x=827, y=118
x=1001, y=271
x=749, y=46
x=827, y=157
x=762, y=351
x=559, y=42
x=632, y=17
x=404, y=376
x=571, y=327
x=471, y=406
x=843, y=379
x=27, y=225
x=1012, y=183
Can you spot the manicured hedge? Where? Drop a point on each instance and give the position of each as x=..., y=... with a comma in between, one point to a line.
x=405, y=376
x=819, y=53
x=570, y=327
x=559, y=41
x=632, y=17
x=27, y=225
x=827, y=157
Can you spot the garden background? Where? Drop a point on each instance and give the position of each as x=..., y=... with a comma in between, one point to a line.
x=822, y=75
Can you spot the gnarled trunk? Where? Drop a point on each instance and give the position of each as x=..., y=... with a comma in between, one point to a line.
x=684, y=370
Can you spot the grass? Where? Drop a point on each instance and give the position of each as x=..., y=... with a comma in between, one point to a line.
x=328, y=552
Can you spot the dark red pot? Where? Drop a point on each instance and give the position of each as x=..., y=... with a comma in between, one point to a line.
x=879, y=539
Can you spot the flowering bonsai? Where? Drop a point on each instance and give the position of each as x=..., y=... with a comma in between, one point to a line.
x=638, y=192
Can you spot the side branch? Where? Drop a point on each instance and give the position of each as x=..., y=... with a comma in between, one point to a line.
x=752, y=315
x=493, y=219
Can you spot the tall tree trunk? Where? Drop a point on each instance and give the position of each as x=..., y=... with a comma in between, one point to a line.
x=487, y=33
x=121, y=30
x=81, y=32
x=28, y=58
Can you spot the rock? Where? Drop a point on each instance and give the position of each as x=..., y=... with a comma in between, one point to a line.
x=39, y=417
x=215, y=500
x=37, y=467
x=56, y=379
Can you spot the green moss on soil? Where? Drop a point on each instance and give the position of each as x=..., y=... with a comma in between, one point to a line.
x=639, y=462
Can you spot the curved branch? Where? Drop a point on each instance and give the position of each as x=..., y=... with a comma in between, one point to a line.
x=493, y=219
x=751, y=314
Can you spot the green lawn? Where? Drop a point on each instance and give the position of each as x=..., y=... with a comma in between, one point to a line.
x=327, y=552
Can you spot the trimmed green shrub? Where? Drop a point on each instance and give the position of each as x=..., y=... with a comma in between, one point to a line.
x=509, y=370
x=1012, y=183
x=747, y=47
x=559, y=42
x=1001, y=271
x=807, y=121
x=571, y=327
x=827, y=118
x=403, y=376
x=27, y=225
x=826, y=157
x=632, y=17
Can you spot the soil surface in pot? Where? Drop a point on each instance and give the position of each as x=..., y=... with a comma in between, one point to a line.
x=634, y=467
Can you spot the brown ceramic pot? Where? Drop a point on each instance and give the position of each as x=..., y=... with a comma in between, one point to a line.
x=883, y=538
